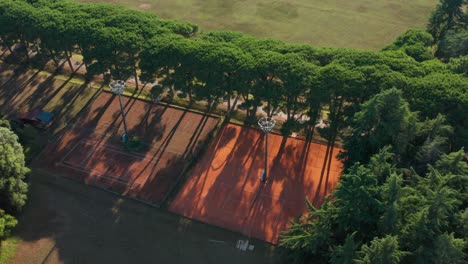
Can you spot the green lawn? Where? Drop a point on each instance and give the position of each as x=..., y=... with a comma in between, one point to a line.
x=8, y=249
x=339, y=23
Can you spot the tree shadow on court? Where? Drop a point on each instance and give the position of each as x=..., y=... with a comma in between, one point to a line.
x=151, y=127
x=254, y=209
x=167, y=140
x=225, y=135
x=164, y=168
x=319, y=197
x=235, y=172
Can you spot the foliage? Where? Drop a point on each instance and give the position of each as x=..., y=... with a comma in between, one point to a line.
x=415, y=219
x=12, y=172
x=383, y=120
x=381, y=250
x=459, y=65
x=414, y=42
x=7, y=223
x=448, y=26
x=441, y=93
x=454, y=44
x=29, y=138
x=448, y=15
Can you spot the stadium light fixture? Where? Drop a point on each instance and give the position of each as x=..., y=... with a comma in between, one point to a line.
x=266, y=125
x=117, y=87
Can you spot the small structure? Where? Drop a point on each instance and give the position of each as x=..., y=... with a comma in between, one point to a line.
x=37, y=118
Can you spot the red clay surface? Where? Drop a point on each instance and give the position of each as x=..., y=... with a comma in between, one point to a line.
x=224, y=189
x=90, y=151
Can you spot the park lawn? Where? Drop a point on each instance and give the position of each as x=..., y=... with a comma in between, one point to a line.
x=365, y=24
x=8, y=248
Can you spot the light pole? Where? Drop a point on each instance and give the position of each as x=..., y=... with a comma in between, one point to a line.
x=117, y=87
x=266, y=125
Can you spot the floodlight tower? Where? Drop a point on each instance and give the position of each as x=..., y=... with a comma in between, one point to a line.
x=266, y=125
x=117, y=87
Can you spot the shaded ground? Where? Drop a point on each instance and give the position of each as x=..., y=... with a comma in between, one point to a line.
x=23, y=89
x=67, y=222
x=90, y=150
x=224, y=188
x=366, y=24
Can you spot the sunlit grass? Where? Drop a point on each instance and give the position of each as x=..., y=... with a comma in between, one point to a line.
x=368, y=24
x=8, y=249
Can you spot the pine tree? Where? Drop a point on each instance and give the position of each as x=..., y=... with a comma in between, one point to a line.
x=381, y=251
x=346, y=253
x=448, y=249
x=385, y=119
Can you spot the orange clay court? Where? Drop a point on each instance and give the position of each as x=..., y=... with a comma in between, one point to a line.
x=224, y=188
x=90, y=150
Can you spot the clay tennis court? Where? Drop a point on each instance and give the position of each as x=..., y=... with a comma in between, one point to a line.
x=224, y=189
x=91, y=151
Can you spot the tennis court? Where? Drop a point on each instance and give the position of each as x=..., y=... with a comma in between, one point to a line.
x=90, y=150
x=224, y=189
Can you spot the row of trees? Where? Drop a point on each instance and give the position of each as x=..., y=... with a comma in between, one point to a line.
x=13, y=189
x=245, y=72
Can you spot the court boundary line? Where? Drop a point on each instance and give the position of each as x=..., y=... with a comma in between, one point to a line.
x=93, y=174
x=136, y=155
x=129, y=182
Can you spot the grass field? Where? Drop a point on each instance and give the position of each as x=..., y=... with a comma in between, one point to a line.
x=369, y=24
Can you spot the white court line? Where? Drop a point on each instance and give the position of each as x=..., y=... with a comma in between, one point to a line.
x=98, y=145
x=68, y=153
x=134, y=155
x=105, y=175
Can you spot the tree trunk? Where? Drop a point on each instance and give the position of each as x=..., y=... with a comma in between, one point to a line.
x=229, y=103
x=26, y=51
x=235, y=103
x=232, y=107
x=69, y=55
x=135, y=74
x=52, y=56
x=269, y=112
